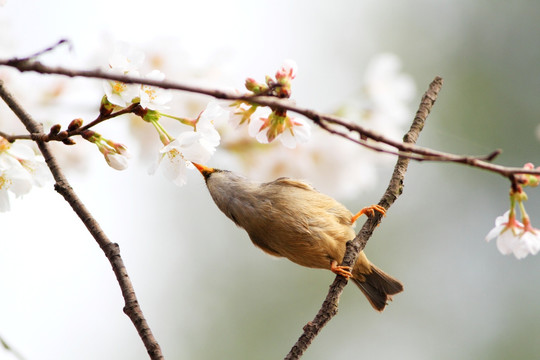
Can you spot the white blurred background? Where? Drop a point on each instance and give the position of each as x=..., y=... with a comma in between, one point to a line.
x=206, y=292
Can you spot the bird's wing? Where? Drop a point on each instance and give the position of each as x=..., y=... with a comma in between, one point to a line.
x=292, y=182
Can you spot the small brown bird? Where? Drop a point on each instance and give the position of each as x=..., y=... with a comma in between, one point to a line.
x=289, y=218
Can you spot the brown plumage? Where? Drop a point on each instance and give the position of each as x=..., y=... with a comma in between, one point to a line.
x=291, y=219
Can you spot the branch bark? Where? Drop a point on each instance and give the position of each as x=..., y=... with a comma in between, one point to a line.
x=111, y=250
x=329, y=307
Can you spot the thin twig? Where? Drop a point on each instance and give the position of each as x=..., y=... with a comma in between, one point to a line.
x=62, y=135
x=9, y=348
x=103, y=117
x=49, y=49
x=111, y=250
x=329, y=307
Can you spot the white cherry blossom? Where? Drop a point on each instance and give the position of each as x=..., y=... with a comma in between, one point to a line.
x=125, y=58
x=152, y=97
x=196, y=145
x=20, y=169
x=514, y=238
x=119, y=93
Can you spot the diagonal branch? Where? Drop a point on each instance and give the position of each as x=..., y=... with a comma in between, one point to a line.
x=329, y=307
x=111, y=250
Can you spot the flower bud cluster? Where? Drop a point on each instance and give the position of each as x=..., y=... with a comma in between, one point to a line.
x=115, y=154
x=278, y=124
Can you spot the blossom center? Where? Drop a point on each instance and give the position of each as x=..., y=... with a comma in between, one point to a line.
x=118, y=87
x=4, y=183
x=174, y=155
x=150, y=92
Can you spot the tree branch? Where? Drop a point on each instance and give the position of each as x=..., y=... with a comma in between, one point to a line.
x=403, y=149
x=111, y=250
x=329, y=307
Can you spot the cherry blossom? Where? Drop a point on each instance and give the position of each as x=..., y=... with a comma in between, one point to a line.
x=288, y=130
x=205, y=124
x=119, y=93
x=20, y=169
x=154, y=98
x=197, y=145
x=288, y=70
x=125, y=58
x=514, y=237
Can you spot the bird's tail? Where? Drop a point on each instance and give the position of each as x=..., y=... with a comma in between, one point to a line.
x=378, y=287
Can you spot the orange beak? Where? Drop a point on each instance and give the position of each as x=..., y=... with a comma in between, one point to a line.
x=204, y=170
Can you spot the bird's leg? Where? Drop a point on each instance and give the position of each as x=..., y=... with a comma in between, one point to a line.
x=344, y=271
x=369, y=211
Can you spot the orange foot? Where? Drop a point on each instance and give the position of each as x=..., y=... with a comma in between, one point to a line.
x=344, y=271
x=369, y=211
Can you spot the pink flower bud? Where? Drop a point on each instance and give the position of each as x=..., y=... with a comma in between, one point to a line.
x=287, y=70
x=253, y=86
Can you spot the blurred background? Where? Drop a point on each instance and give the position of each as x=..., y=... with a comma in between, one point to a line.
x=205, y=290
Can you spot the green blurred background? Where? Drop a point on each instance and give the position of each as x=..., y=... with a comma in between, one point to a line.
x=205, y=290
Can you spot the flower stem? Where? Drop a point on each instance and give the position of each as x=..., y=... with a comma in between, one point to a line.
x=182, y=120
x=163, y=134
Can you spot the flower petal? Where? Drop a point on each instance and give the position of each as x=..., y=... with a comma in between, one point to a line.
x=506, y=242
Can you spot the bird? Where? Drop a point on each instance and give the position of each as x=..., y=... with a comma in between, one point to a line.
x=289, y=218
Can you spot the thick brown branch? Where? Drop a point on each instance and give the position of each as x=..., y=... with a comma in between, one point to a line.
x=329, y=307
x=111, y=250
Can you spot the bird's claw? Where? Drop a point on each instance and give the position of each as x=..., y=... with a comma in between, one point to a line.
x=344, y=271
x=369, y=211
